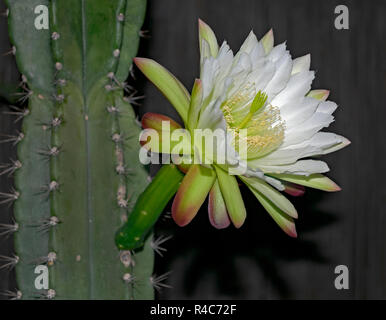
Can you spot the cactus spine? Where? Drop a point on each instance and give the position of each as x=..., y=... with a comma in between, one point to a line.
x=78, y=150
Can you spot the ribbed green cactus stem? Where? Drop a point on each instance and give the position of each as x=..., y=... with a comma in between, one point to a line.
x=80, y=173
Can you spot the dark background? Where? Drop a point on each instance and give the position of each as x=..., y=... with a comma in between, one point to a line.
x=259, y=261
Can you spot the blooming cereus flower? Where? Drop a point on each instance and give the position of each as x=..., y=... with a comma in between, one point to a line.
x=260, y=98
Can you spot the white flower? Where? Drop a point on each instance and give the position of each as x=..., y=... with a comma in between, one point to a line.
x=287, y=128
x=263, y=90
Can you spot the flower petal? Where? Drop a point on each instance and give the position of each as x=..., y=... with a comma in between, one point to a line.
x=319, y=94
x=322, y=117
x=232, y=197
x=342, y=144
x=168, y=84
x=301, y=167
x=277, y=52
x=248, y=45
x=276, y=183
x=212, y=117
x=267, y=41
x=217, y=210
x=168, y=138
x=298, y=85
x=297, y=111
x=192, y=193
x=316, y=181
x=301, y=64
x=281, y=77
x=307, y=129
x=294, y=189
x=285, y=222
x=271, y=194
x=320, y=143
x=154, y=121
x=207, y=34
x=195, y=104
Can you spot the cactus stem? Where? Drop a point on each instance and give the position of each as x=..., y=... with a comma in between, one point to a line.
x=138, y=122
x=126, y=257
x=52, y=186
x=77, y=62
x=156, y=244
x=116, y=137
x=46, y=224
x=120, y=169
x=56, y=122
x=121, y=85
x=167, y=216
x=128, y=278
x=132, y=99
x=109, y=88
x=55, y=36
x=123, y=218
x=116, y=53
x=12, y=295
x=10, y=52
x=132, y=73
x=51, y=294
x=112, y=109
x=9, y=262
x=123, y=203
x=14, y=139
x=126, y=136
x=158, y=281
x=128, y=171
x=9, y=198
x=24, y=96
x=48, y=294
x=48, y=259
x=121, y=17
x=20, y=113
x=51, y=258
x=144, y=34
x=8, y=229
x=126, y=87
x=54, y=151
x=60, y=82
x=59, y=98
x=23, y=81
x=5, y=13
x=58, y=66
x=50, y=152
x=10, y=168
x=118, y=86
x=53, y=221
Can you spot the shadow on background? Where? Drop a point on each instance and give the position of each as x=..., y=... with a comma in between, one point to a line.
x=214, y=253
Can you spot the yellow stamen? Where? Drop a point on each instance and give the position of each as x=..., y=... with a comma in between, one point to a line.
x=263, y=122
